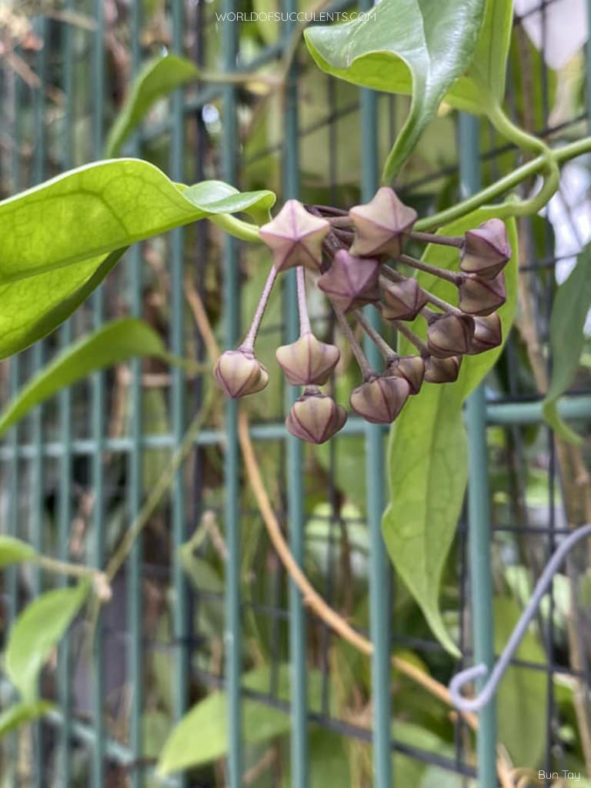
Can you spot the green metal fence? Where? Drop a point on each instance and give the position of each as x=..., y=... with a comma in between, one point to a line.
x=67, y=470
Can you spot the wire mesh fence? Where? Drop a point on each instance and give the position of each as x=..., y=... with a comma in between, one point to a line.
x=203, y=601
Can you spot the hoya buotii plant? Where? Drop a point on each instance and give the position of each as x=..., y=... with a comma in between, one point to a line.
x=354, y=259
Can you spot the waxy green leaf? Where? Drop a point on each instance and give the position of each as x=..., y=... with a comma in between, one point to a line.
x=156, y=80
x=14, y=551
x=111, y=344
x=22, y=713
x=569, y=312
x=427, y=456
x=37, y=631
x=403, y=46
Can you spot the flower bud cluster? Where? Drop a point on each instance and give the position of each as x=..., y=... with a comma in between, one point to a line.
x=352, y=258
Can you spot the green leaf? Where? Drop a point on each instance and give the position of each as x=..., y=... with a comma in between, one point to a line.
x=35, y=633
x=15, y=551
x=21, y=713
x=113, y=343
x=569, y=312
x=202, y=734
x=427, y=456
x=157, y=79
x=403, y=46
x=484, y=82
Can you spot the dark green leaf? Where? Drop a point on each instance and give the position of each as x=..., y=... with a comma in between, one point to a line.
x=115, y=342
x=428, y=454
x=36, y=632
x=13, y=551
x=403, y=46
x=21, y=713
x=569, y=312
x=157, y=79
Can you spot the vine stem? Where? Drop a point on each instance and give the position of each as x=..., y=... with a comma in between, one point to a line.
x=245, y=231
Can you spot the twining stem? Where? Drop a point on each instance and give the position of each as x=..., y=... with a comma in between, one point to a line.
x=412, y=337
x=442, y=240
x=360, y=356
x=64, y=568
x=249, y=340
x=442, y=273
x=302, y=305
x=381, y=344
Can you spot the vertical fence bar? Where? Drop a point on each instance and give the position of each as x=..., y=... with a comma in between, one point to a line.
x=374, y=469
x=134, y=565
x=233, y=624
x=98, y=420
x=478, y=505
x=177, y=312
x=295, y=486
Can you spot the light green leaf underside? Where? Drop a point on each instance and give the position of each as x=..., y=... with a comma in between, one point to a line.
x=14, y=551
x=114, y=343
x=403, y=45
x=569, y=312
x=427, y=455
x=36, y=632
x=157, y=79
x=22, y=713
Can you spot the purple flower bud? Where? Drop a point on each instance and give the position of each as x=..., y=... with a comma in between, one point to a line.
x=486, y=249
x=351, y=282
x=380, y=400
x=442, y=370
x=403, y=300
x=482, y=296
x=488, y=334
x=295, y=237
x=239, y=373
x=381, y=225
x=449, y=335
x=411, y=369
x=307, y=361
x=314, y=417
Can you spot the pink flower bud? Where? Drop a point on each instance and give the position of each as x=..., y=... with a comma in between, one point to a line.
x=295, y=237
x=314, y=417
x=411, y=369
x=442, y=370
x=403, y=300
x=449, y=335
x=486, y=249
x=307, y=361
x=351, y=282
x=488, y=334
x=239, y=373
x=482, y=296
x=380, y=400
x=381, y=225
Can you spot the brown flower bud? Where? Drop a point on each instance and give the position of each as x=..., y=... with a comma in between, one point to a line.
x=314, y=417
x=380, y=400
x=442, y=370
x=411, y=369
x=403, y=300
x=351, y=282
x=482, y=296
x=381, y=225
x=307, y=361
x=239, y=373
x=486, y=249
x=295, y=237
x=488, y=334
x=449, y=335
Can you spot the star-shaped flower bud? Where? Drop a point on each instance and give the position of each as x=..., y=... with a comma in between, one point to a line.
x=314, y=417
x=403, y=300
x=380, y=400
x=381, y=225
x=488, y=334
x=479, y=296
x=295, y=237
x=411, y=369
x=307, y=361
x=239, y=373
x=449, y=335
x=351, y=282
x=486, y=249
x=442, y=370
